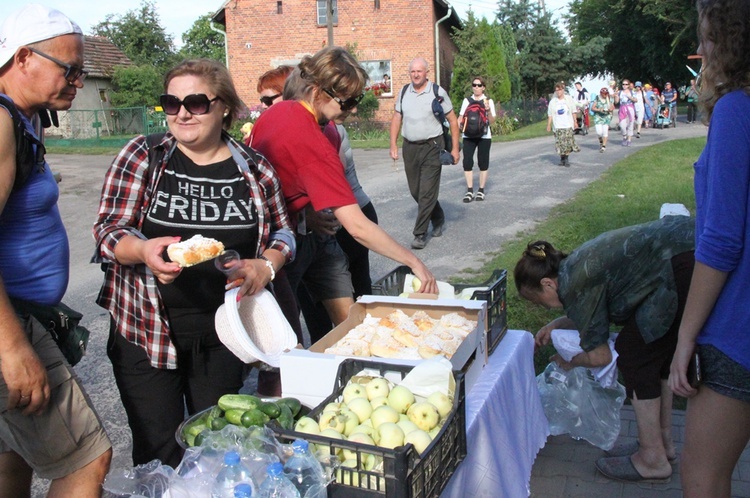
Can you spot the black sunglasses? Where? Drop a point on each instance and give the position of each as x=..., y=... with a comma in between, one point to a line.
x=348, y=104
x=477, y=84
x=72, y=73
x=268, y=101
x=197, y=103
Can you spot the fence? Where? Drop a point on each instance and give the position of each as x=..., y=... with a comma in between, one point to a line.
x=99, y=127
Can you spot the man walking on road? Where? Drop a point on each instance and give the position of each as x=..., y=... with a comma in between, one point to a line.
x=47, y=422
x=423, y=142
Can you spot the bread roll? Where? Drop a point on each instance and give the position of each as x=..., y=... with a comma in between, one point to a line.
x=194, y=250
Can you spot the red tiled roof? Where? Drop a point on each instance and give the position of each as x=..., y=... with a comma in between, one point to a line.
x=101, y=56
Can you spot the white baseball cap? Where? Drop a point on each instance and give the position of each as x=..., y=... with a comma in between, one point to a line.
x=30, y=24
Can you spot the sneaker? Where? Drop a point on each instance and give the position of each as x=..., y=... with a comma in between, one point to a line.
x=601, y=149
x=566, y=162
x=468, y=196
x=638, y=135
x=624, y=142
x=437, y=230
x=480, y=196
x=628, y=145
x=419, y=242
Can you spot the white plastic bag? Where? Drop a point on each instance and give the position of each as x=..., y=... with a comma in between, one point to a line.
x=576, y=404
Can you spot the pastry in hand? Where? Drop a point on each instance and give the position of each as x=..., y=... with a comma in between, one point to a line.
x=194, y=250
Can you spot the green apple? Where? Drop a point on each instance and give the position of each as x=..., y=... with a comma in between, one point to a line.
x=331, y=407
x=407, y=426
x=352, y=420
x=391, y=435
x=324, y=449
x=367, y=429
x=424, y=414
x=377, y=387
x=416, y=284
x=350, y=476
x=307, y=425
x=333, y=420
x=442, y=402
x=400, y=399
x=379, y=401
x=435, y=431
x=383, y=414
x=362, y=407
x=352, y=391
x=420, y=439
x=357, y=437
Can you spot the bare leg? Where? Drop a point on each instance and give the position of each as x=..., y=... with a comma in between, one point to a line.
x=469, y=175
x=15, y=475
x=483, y=178
x=651, y=459
x=666, y=419
x=717, y=428
x=338, y=308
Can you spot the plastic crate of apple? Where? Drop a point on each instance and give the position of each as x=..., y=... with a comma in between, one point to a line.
x=372, y=411
x=242, y=410
x=399, y=335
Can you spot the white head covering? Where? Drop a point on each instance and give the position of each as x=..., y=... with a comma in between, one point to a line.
x=30, y=24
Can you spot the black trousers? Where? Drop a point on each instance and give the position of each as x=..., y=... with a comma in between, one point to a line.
x=423, y=169
x=483, y=155
x=156, y=399
x=692, y=111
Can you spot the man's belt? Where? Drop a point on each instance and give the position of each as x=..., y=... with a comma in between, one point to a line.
x=421, y=142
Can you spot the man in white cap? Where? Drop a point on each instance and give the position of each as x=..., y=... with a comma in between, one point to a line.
x=47, y=423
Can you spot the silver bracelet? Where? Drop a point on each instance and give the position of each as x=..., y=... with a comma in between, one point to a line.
x=269, y=265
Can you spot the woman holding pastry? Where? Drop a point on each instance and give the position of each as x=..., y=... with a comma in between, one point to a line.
x=206, y=190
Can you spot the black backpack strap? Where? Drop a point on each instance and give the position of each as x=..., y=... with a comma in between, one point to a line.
x=401, y=97
x=155, y=152
x=26, y=159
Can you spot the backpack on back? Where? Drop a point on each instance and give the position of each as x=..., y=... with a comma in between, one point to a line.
x=475, y=122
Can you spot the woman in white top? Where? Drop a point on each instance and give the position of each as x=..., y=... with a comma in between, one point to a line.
x=560, y=114
x=481, y=143
x=640, y=107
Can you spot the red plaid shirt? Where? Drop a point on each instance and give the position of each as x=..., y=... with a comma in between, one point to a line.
x=130, y=292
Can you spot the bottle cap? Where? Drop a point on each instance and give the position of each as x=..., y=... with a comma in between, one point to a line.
x=299, y=446
x=275, y=469
x=243, y=490
x=231, y=458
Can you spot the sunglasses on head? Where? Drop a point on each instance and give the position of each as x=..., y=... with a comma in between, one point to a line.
x=268, y=101
x=197, y=103
x=477, y=84
x=72, y=73
x=348, y=104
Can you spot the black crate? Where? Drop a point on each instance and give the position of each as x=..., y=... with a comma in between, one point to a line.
x=497, y=319
x=405, y=474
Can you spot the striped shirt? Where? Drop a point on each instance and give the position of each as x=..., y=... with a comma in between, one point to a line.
x=129, y=292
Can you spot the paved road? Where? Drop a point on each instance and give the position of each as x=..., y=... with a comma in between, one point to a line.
x=524, y=184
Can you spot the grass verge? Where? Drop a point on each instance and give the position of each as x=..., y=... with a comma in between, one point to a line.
x=630, y=192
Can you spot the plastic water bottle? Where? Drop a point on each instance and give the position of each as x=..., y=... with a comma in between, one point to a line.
x=243, y=490
x=302, y=468
x=276, y=484
x=231, y=474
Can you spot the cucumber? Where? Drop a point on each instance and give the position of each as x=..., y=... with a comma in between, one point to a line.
x=239, y=402
x=293, y=403
x=271, y=409
x=234, y=416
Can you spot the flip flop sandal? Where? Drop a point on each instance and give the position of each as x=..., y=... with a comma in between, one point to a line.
x=628, y=449
x=622, y=469
x=469, y=197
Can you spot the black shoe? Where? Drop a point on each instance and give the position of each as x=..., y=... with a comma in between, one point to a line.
x=419, y=242
x=437, y=230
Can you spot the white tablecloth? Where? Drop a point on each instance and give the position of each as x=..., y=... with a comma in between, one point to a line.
x=505, y=425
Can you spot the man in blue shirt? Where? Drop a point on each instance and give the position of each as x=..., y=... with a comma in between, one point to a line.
x=669, y=96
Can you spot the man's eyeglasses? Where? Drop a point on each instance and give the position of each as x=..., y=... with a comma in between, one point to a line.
x=476, y=85
x=268, y=101
x=72, y=73
x=348, y=104
x=197, y=103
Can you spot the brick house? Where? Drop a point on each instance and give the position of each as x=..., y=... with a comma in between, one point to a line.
x=385, y=34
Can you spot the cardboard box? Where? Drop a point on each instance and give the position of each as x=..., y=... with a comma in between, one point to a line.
x=310, y=375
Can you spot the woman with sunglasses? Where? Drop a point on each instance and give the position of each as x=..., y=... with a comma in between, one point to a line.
x=481, y=144
x=325, y=87
x=271, y=85
x=166, y=355
x=627, y=99
x=717, y=319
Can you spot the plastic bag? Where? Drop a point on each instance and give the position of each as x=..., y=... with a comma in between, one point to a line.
x=576, y=404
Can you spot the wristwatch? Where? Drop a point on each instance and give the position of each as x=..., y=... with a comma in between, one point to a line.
x=269, y=265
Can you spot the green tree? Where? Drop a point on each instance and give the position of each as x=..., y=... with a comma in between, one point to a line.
x=480, y=53
x=544, y=59
x=200, y=41
x=140, y=35
x=135, y=86
x=643, y=39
